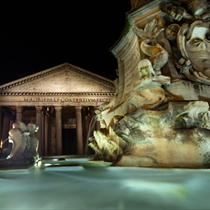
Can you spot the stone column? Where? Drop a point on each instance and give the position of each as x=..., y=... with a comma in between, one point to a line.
x=53, y=137
x=46, y=134
x=6, y=129
x=79, y=130
x=58, y=124
x=12, y=120
x=1, y=122
x=50, y=145
x=97, y=126
x=43, y=131
x=39, y=123
x=19, y=113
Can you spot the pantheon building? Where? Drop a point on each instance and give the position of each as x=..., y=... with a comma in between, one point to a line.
x=61, y=101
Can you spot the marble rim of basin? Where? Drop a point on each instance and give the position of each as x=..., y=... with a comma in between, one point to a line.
x=79, y=160
x=66, y=161
x=95, y=164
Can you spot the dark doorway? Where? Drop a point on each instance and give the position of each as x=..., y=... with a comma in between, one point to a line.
x=69, y=142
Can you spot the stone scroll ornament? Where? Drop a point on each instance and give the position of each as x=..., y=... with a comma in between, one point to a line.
x=192, y=39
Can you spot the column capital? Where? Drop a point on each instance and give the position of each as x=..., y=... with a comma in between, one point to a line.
x=78, y=108
x=19, y=108
x=58, y=108
x=38, y=108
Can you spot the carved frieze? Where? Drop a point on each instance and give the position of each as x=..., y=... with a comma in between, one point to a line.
x=76, y=100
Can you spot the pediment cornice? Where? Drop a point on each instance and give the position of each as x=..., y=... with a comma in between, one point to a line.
x=53, y=70
x=82, y=94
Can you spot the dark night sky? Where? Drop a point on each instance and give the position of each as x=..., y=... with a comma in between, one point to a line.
x=36, y=35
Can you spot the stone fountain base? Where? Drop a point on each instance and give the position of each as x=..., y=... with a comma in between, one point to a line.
x=19, y=161
x=176, y=136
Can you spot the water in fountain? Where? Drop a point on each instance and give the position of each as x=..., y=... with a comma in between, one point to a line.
x=90, y=129
x=4, y=141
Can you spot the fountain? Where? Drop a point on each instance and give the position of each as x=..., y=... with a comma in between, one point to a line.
x=24, y=151
x=159, y=116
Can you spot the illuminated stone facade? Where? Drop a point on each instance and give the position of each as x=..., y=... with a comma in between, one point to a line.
x=60, y=100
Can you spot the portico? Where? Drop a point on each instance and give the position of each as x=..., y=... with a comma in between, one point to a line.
x=60, y=100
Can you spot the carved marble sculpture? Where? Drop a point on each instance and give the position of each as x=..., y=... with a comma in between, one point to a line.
x=24, y=146
x=193, y=40
x=175, y=137
x=150, y=126
x=158, y=55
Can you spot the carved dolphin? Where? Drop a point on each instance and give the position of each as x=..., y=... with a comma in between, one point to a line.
x=158, y=55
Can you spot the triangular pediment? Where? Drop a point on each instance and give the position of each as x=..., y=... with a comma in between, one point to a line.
x=64, y=78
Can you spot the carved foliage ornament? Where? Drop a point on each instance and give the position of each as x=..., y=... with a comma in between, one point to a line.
x=192, y=39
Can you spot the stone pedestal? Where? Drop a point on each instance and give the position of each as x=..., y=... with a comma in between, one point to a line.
x=39, y=123
x=58, y=122
x=79, y=130
x=19, y=113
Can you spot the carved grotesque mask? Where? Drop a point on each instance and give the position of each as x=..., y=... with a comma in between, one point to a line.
x=198, y=50
x=194, y=44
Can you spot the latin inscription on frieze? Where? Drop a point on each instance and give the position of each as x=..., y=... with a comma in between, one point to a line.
x=75, y=100
x=131, y=64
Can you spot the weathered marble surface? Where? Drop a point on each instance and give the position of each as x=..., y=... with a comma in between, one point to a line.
x=161, y=115
x=177, y=136
x=24, y=147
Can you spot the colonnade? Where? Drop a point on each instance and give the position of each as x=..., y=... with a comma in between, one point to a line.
x=42, y=120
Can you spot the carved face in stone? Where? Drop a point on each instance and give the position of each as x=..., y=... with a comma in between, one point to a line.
x=198, y=50
x=144, y=75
